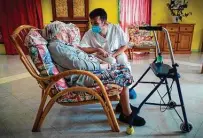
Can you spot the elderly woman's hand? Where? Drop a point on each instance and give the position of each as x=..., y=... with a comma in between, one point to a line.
x=102, y=52
x=105, y=66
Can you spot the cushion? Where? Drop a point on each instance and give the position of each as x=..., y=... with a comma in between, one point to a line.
x=112, y=89
x=41, y=57
x=68, y=33
x=140, y=38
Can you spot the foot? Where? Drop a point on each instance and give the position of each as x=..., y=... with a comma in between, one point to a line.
x=136, y=120
x=119, y=108
x=132, y=94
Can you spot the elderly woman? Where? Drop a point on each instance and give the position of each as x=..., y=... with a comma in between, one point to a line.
x=64, y=47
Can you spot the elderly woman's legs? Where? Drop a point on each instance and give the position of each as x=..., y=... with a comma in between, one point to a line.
x=128, y=111
x=121, y=76
x=124, y=101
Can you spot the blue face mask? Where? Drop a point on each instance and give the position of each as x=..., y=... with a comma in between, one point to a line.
x=96, y=29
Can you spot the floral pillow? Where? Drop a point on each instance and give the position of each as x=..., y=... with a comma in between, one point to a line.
x=41, y=57
x=68, y=33
x=140, y=37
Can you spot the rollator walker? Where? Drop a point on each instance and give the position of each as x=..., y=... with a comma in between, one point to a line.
x=164, y=72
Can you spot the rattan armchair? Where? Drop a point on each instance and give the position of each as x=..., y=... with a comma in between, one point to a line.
x=18, y=37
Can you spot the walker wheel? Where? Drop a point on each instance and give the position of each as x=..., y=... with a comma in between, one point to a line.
x=171, y=104
x=183, y=127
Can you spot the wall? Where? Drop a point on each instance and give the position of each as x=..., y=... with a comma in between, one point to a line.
x=47, y=11
x=111, y=7
x=195, y=6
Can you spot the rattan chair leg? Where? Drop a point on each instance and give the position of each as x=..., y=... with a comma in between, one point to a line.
x=36, y=123
x=129, y=54
x=110, y=121
x=46, y=111
x=42, y=94
x=113, y=117
x=39, y=113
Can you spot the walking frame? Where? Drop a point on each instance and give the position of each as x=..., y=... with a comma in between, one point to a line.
x=164, y=72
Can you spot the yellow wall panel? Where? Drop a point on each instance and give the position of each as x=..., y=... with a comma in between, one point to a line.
x=161, y=14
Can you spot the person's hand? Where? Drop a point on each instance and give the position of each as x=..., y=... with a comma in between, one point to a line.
x=105, y=66
x=103, y=62
x=102, y=52
x=113, y=55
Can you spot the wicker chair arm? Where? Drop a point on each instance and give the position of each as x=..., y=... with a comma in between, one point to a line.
x=57, y=77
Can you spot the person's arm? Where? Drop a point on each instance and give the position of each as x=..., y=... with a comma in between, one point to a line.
x=87, y=47
x=123, y=42
x=71, y=58
x=89, y=50
x=80, y=63
x=119, y=51
x=85, y=44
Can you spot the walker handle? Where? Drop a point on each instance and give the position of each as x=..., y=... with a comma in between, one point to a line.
x=151, y=28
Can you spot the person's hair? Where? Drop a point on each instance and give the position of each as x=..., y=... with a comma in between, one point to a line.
x=98, y=12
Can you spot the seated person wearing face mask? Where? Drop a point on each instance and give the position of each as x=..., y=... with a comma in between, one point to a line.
x=64, y=48
x=107, y=40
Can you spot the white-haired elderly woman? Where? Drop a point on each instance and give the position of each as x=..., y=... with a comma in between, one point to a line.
x=64, y=40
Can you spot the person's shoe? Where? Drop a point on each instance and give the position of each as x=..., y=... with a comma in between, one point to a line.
x=137, y=120
x=119, y=108
x=132, y=94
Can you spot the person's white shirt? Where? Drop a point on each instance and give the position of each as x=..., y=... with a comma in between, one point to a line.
x=115, y=38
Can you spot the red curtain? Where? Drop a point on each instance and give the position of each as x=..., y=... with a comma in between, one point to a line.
x=14, y=13
x=134, y=12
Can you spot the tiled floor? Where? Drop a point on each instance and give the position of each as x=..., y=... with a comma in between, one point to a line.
x=20, y=98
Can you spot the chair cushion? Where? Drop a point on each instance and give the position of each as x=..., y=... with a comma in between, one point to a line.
x=41, y=57
x=67, y=33
x=140, y=38
x=112, y=89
